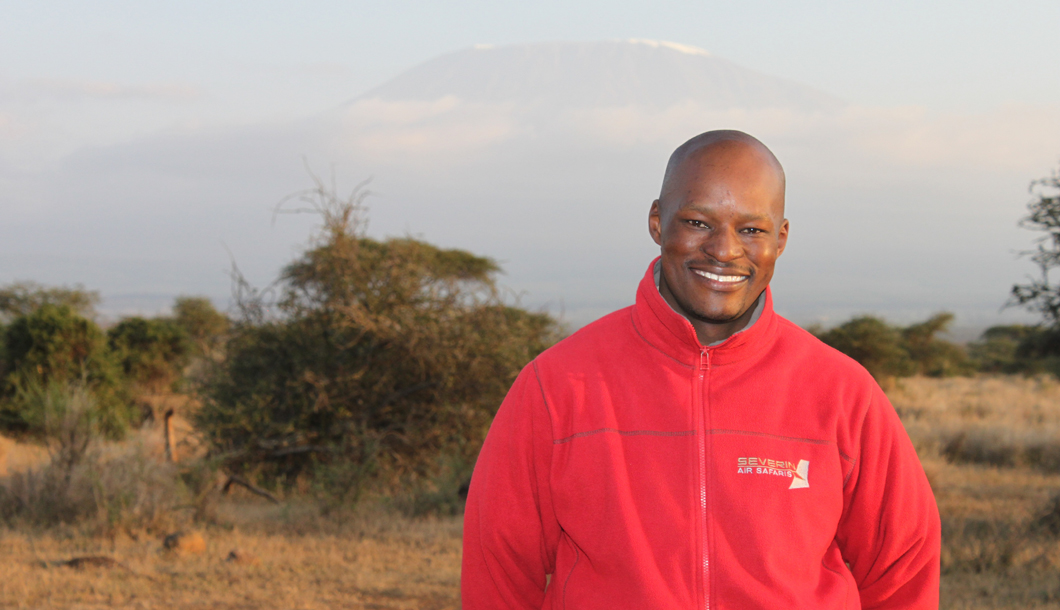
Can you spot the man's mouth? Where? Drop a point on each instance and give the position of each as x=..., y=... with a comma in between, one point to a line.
x=725, y=279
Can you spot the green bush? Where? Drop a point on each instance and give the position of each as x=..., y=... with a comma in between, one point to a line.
x=54, y=346
x=932, y=356
x=1006, y=349
x=891, y=351
x=24, y=298
x=382, y=354
x=873, y=343
x=151, y=352
x=202, y=323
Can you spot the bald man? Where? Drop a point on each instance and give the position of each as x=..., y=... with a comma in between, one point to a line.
x=696, y=450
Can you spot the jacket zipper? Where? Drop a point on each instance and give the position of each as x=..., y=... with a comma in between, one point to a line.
x=704, y=368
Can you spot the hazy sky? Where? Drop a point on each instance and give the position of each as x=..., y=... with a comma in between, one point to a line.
x=77, y=76
x=82, y=72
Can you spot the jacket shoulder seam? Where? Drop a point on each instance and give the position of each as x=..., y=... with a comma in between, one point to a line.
x=544, y=399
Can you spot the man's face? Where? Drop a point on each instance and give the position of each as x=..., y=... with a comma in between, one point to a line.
x=720, y=226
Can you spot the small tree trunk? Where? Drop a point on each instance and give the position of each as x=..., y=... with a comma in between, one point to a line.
x=171, y=446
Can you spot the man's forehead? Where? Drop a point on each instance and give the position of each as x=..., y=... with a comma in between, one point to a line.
x=724, y=157
x=720, y=177
x=710, y=208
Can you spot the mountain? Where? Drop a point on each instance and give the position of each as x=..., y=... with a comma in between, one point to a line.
x=646, y=73
x=547, y=157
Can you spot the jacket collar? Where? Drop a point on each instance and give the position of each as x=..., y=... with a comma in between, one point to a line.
x=671, y=333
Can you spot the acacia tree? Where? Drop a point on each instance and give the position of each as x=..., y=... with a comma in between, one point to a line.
x=1040, y=295
x=382, y=355
x=24, y=298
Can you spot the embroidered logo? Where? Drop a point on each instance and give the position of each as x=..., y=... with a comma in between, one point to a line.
x=798, y=473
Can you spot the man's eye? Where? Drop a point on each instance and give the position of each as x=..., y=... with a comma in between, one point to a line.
x=753, y=230
x=699, y=224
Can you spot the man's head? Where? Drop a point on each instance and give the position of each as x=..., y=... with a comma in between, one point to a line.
x=719, y=221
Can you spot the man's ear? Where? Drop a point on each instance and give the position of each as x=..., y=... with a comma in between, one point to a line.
x=782, y=237
x=655, y=222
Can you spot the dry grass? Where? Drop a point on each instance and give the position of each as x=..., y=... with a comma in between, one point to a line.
x=20, y=457
x=377, y=562
x=990, y=446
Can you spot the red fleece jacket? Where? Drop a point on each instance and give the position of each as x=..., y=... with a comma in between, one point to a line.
x=642, y=470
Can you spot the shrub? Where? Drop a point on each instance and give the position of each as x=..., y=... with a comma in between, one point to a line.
x=932, y=356
x=54, y=346
x=85, y=482
x=442, y=494
x=383, y=354
x=24, y=298
x=151, y=352
x=123, y=489
x=204, y=325
x=891, y=351
x=874, y=344
x=997, y=349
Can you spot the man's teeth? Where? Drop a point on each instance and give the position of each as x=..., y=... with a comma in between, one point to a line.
x=720, y=278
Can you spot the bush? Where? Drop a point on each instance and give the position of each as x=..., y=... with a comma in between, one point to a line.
x=382, y=354
x=25, y=298
x=891, y=351
x=202, y=323
x=85, y=482
x=54, y=346
x=874, y=344
x=443, y=494
x=126, y=489
x=932, y=356
x=151, y=352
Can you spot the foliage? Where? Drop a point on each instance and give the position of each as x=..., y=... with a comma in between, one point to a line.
x=151, y=352
x=54, y=346
x=378, y=354
x=24, y=298
x=891, y=351
x=930, y=355
x=67, y=416
x=443, y=494
x=1039, y=295
x=203, y=324
x=121, y=488
x=70, y=487
x=1008, y=349
x=873, y=343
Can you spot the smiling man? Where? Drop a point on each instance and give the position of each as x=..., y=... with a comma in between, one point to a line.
x=696, y=450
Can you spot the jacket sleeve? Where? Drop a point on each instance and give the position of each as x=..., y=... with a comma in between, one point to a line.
x=510, y=529
x=890, y=532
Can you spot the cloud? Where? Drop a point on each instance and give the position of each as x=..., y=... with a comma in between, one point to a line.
x=1009, y=138
x=439, y=131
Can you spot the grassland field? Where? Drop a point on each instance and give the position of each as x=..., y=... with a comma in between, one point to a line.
x=990, y=446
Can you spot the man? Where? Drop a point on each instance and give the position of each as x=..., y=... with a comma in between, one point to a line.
x=696, y=450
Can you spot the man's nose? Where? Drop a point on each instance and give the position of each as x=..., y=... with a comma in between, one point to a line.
x=724, y=245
